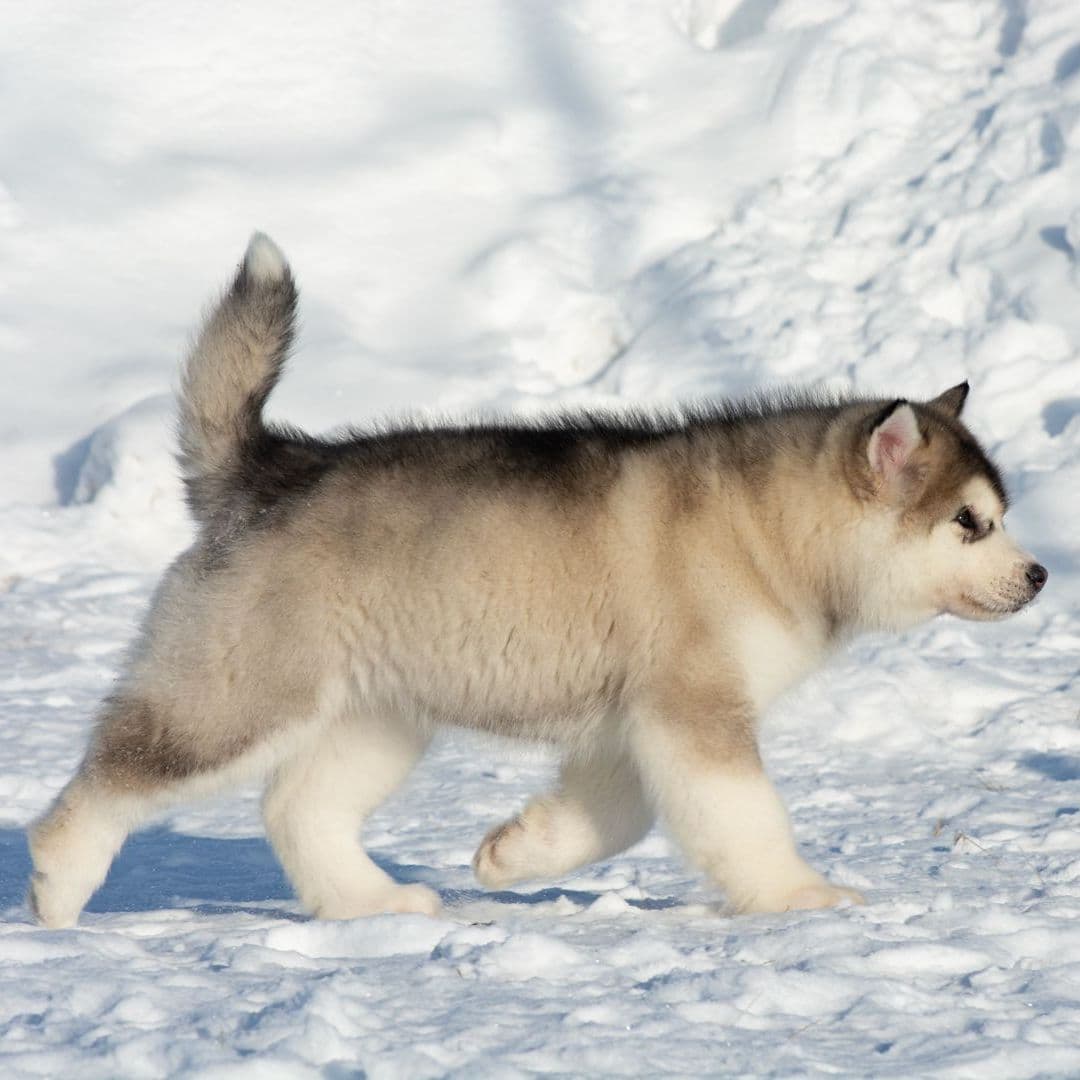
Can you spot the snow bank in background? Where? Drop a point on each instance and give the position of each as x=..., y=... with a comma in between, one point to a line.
x=131, y=454
x=126, y=470
x=515, y=207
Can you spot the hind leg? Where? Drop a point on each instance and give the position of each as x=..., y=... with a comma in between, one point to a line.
x=139, y=762
x=315, y=805
x=598, y=810
x=133, y=768
x=74, y=844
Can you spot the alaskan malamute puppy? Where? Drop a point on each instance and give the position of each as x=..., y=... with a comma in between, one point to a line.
x=634, y=592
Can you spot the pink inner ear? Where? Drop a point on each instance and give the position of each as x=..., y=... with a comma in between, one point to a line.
x=894, y=448
x=893, y=441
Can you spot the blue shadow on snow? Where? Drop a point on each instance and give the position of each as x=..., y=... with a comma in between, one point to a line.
x=158, y=869
x=1060, y=767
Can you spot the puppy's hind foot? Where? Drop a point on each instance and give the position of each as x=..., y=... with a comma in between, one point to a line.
x=394, y=899
x=414, y=899
x=71, y=848
x=51, y=907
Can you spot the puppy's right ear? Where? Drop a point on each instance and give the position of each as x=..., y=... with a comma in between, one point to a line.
x=894, y=437
x=952, y=401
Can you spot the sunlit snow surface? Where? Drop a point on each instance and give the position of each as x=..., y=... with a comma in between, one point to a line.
x=509, y=207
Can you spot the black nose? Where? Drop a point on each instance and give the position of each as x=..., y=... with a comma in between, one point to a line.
x=1037, y=575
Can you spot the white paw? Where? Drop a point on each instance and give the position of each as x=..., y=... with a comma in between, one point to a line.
x=822, y=896
x=809, y=895
x=417, y=899
x=52, y=908
x=394, y=899
x=497, y=862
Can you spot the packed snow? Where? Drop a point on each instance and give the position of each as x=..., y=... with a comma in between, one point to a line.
x=507, y=207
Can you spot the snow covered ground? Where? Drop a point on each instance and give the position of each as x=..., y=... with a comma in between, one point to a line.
x=511, y=206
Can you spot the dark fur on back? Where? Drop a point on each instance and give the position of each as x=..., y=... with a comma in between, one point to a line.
x=277, y=467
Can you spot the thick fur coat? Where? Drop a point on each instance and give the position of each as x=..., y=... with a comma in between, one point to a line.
x=635, y=592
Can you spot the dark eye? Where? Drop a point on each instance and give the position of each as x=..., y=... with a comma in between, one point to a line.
x=966, y=520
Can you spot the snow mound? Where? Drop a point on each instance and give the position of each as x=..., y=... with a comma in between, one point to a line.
x=130, y=457
x=126, y=471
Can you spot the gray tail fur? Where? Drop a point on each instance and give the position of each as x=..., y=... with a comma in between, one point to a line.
x=236, y=361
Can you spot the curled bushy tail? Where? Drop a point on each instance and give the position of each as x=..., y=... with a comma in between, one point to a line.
x=234, y=365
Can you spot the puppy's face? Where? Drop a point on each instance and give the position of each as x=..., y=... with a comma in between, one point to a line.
x=978, y=571
x=937, y=504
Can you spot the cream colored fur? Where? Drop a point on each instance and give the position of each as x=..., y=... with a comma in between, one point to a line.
x=640, y=618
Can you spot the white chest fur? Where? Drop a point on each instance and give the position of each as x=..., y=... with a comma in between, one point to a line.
x=775, y=653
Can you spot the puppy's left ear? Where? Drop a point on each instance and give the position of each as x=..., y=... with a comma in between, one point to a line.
x=894, y=438
x=952, y=401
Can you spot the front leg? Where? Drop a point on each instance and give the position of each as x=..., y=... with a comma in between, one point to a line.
x=696, y=747
x=598, y=810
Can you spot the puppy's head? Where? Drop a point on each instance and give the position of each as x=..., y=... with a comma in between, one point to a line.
x=937, y=505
